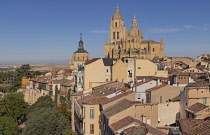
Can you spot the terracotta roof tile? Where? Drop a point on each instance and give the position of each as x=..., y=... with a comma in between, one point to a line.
x=78, y=93
x=135, y=130
x=197, y=107
x=187, y=124
x=118, y=107
x=92, y=60
x=124, y=122
x=153, y=130
x=156, y=87
x=151, y=77
x=200, y=129
x=140, y=83
x=139, y=129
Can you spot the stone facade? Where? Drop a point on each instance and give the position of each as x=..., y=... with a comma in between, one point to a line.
x=130, y=43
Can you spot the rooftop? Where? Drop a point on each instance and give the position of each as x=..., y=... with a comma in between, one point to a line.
x=197, y=107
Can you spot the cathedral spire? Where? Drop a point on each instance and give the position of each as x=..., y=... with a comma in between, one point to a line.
x=80, y=36
x=117, y=9
x=117, y=14
x=134, y=21
x=81, y=45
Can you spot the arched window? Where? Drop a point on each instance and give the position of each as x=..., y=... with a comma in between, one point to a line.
x=117, y=35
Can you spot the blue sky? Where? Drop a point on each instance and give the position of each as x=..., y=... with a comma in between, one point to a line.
x=48, y=31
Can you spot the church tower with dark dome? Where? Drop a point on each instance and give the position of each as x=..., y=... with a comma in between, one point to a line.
x=80, y=56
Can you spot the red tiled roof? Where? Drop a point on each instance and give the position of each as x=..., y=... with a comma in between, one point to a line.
x=135, y=130
x=156, y=87
x=140, y=83
x=79, y=93
x=200, y=129
x=151, y=77
x=124, y=122
x=116, y=97
x=187, y=124
x=140, y=127
x=92, y=60
x=197, y=107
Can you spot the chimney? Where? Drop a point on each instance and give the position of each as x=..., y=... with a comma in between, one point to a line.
x=158, y=82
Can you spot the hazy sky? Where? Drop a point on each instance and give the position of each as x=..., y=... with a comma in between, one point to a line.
x=48, y=31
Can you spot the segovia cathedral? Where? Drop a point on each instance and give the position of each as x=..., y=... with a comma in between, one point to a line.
x=130, y=43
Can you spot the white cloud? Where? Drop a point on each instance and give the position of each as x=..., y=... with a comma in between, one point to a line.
x=203, y=27
x=189, y=26
x=165, y=30
x=99, y=31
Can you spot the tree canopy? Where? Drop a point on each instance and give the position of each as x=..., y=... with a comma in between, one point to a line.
x=45, y=119
x=13, y=109
x=14, y=106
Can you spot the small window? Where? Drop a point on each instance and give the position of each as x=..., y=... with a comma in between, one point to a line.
x=153, y=49
x=139, y=67
x=113, y=35
x=204, y=101
x=201, y=91
x=161, y=99
x=118, y=35
x=107, y=70
x=126, y=61
x=91, y=128
x=91, y=112
x=115, y=24
x=107, y=79
x=139, y=96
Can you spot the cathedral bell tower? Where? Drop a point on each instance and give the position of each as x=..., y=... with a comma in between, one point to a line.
x=117, y=27
x=80, y=56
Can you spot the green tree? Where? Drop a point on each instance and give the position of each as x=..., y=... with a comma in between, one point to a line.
x=42, y=102
x=69, y=94
x=14, y=106
x=13, y=109
x=69, y=132
x=21, y=72
x=8, y=126
x=56, y=94
x=45, y=121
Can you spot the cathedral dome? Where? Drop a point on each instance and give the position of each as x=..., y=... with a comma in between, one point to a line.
x=81, y=46
x=134, y=32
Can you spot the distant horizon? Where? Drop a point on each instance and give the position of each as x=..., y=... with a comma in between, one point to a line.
x=48, y=32
x=39, y=63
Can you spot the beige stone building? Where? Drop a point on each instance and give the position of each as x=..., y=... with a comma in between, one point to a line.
x=198, y=111
x=193, y=93
x=80, y=56
x=87, y=106
x=97, y=71
x=162, y=93
x=148, y=68
x=130, y=43
x=147, y=113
